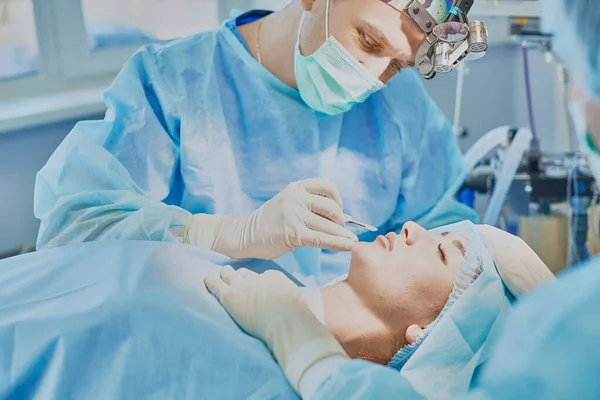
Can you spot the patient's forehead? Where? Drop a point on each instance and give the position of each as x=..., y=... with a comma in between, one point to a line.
x=461, y=237
x=452, y=234
x=455, y=232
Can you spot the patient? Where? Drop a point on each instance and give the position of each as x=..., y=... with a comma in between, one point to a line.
x=423, y=302
x=134, y=319
x=396, y=287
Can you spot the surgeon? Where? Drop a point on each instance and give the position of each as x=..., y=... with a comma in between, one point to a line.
x=549, y=346
x=244, y=140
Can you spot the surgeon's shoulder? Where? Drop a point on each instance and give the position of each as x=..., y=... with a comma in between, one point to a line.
x=406, y=88
x=405, y=94
x=188, y=46
x=407, y=101
x=190, y=53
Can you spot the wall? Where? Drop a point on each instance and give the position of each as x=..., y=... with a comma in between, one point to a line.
x=487, y=94
x=161, y=19
x=22, y=155
x=494, y=95
x=549, y=114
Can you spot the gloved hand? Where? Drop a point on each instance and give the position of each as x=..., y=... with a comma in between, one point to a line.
x=519, y=267
x=305, y=213
x=272, y=308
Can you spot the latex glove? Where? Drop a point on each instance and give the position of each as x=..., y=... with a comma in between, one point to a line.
x=272, y=308
x=305, y=213
x=519, y=267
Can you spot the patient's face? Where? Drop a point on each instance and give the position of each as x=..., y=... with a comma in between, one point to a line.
x=413, y=272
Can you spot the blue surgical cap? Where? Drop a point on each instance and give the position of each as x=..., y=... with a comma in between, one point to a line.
x=575, y=25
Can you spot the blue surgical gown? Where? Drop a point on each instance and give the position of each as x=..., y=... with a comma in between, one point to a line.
x=549, y=349
x=199, y=126
x=125, y=320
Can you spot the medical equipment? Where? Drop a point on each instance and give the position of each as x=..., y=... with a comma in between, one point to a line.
x=539, y=180
x=560, y=179
x=350, y=220
x=516, y=143
x=580, y=193
x=450, y=39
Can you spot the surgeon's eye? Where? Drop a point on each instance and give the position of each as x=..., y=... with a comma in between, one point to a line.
x=395, y=66
x=369, y=44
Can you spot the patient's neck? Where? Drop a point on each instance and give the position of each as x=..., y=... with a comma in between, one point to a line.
x=361, y=333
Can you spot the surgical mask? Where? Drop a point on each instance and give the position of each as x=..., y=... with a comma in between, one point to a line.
x=577, y=109
x=331, y=80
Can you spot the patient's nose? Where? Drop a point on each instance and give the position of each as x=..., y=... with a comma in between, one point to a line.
x=414, y=233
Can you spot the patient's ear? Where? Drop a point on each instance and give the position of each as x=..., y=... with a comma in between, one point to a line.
x=413, y=332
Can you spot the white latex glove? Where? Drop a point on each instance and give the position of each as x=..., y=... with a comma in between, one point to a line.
x=519, y=267
x=272, y=308
x=305, y=213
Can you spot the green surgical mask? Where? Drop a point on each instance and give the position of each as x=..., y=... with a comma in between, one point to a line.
x=331, y=80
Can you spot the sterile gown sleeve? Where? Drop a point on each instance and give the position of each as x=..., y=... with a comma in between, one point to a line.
x=109, y=178
x=434, y=168
x=357, y=380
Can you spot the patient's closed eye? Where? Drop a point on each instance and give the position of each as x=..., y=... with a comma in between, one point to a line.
x=460, y=246
x=442, y=254
x=457, y=243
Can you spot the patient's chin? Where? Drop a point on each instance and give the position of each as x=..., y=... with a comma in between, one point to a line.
x=360, y=250
x=363, y=254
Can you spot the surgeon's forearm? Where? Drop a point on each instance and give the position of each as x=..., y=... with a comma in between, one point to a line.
x=358, y=380
x=314, y=377
x=158, y=222
x=214, y=232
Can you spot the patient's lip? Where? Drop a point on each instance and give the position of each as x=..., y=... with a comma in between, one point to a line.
x=385, y=242
x=391, y=237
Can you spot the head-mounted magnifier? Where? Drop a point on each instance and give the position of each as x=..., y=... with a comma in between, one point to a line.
x=450, y=36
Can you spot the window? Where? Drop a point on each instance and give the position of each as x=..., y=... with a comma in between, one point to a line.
x=68, y=40
x=18, y=43
x=53, y=46
x=58, y=56
x=120, y=23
